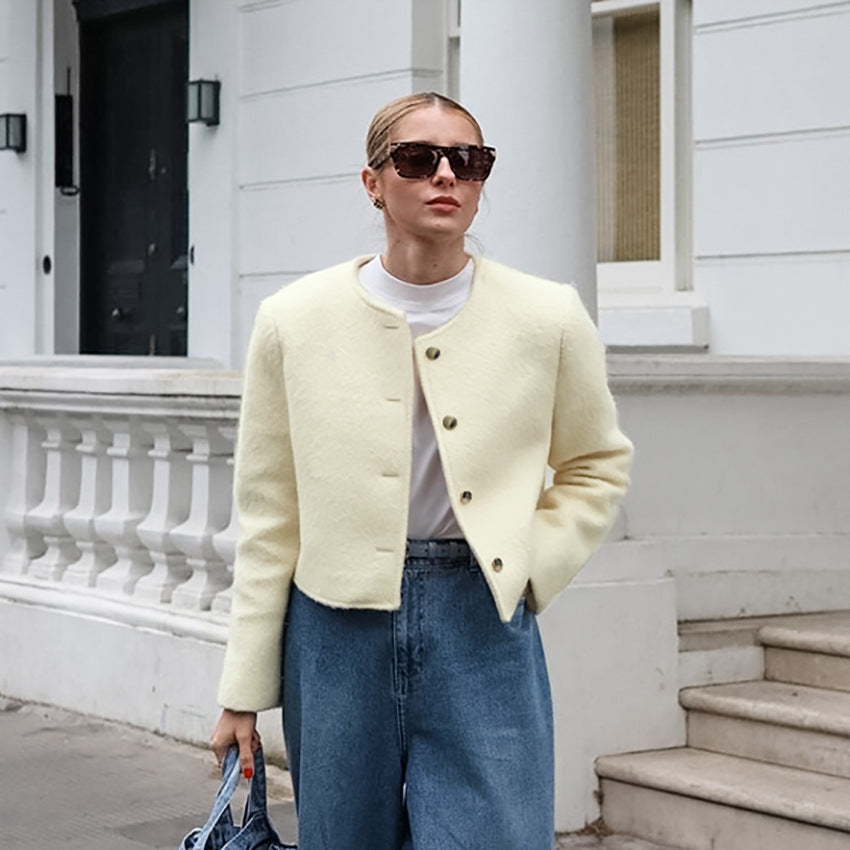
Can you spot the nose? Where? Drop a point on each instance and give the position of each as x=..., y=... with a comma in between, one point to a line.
x=444, y=169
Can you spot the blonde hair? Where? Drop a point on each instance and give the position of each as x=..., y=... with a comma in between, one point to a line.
x=378, y=137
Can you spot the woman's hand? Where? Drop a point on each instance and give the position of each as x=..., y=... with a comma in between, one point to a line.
x=237, y=727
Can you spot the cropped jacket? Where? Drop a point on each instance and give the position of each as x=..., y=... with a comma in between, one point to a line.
x=514, y=383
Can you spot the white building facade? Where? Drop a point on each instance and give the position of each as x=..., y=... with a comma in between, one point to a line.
x=721, y=250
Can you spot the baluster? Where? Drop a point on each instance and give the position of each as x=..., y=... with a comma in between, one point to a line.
x=132, y=476
x=95, y=497
x=169, y=508
x=210, y=511
x=61, y=493
x=26, y=490
x=224, y=542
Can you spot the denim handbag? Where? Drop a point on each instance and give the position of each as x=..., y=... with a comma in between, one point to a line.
x=220, y=832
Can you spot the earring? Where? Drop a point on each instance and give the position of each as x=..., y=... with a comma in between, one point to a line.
x=378, y=203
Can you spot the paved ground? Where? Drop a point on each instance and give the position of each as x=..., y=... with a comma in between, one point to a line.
x=76, y=783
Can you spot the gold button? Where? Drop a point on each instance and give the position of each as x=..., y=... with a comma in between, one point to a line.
x=466, y=497
x=497, y=565
x=449, y=422
x=432, y=353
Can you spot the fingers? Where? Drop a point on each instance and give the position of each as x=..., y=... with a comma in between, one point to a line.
x=239, y=728
x=219, y=743
x=245, y=739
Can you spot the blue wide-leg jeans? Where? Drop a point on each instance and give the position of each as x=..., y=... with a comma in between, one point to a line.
x=426, y=728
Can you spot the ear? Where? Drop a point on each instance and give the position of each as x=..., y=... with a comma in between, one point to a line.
x=370, y=182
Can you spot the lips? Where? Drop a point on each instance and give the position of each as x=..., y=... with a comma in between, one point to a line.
x=444, y=201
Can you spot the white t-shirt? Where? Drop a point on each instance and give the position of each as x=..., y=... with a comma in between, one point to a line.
x=426, y=306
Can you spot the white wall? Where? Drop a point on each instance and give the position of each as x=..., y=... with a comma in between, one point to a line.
x=307, y=79
x=212, y=328
x=18, y=93
x=739, y=484
x=771, y=180
x=612, y=653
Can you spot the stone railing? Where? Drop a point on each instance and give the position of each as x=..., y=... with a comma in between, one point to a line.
x=118, y=486
x=117, y=535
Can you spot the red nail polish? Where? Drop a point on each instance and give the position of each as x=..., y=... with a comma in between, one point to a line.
x=248, y=772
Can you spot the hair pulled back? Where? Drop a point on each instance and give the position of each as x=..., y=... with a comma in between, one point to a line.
x=380, y=130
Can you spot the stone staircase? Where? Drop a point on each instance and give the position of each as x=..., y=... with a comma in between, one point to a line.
x=767, y=761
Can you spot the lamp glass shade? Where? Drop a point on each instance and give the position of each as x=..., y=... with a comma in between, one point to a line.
x=193, y=102
x=202, y=101
x=13, y=132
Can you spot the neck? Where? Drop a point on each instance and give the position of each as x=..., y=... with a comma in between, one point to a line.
x=424, y=264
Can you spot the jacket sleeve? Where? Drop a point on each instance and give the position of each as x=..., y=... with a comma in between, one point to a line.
x=268, y=540
x=590, y=458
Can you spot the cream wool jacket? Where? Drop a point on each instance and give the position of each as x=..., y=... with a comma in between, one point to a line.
x=324, y=451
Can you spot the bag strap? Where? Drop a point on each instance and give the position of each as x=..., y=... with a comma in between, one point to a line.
x=231, y=770
x=256, y=802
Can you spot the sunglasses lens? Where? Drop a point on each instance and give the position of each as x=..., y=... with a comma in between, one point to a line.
x=469, y=163
x=415, y=161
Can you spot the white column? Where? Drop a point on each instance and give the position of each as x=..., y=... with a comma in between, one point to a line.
x=212, y=479
x=61, y=493
x=132, y=473
x=526, y=75
x=169, y=508
x=224, y=541
x=95, y=490
x=26, y=489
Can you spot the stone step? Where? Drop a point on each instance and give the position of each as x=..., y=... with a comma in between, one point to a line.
x=701, y=800
x=607, y=842
x=812, y=650
x=785, y=724
x=828, y=634
x=720, y=651
x=807, y=668
x=724, y=664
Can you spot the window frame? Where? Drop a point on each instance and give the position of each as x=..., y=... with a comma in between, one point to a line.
x=452, y=63
x=655, y=281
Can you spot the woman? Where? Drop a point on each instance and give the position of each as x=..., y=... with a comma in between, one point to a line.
x=393, y=508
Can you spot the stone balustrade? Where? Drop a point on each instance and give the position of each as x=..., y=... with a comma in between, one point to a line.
x=118, y=483
x=117, y=534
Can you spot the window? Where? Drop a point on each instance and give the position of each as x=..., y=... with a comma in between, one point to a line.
x=641, y=77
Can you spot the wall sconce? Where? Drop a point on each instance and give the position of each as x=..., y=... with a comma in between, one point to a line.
x=202, y=102
x=13, y=132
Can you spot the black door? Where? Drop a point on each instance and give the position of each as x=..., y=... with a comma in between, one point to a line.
x=133, y=144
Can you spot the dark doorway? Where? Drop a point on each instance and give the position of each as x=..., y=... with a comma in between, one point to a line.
x=133, y=144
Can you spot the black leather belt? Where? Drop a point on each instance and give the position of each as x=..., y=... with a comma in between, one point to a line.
x=448, y=549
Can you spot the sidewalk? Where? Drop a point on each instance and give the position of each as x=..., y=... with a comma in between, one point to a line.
x=78, y=783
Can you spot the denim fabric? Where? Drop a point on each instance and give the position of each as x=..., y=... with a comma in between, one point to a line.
x=220, y=832
x=426, y=728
